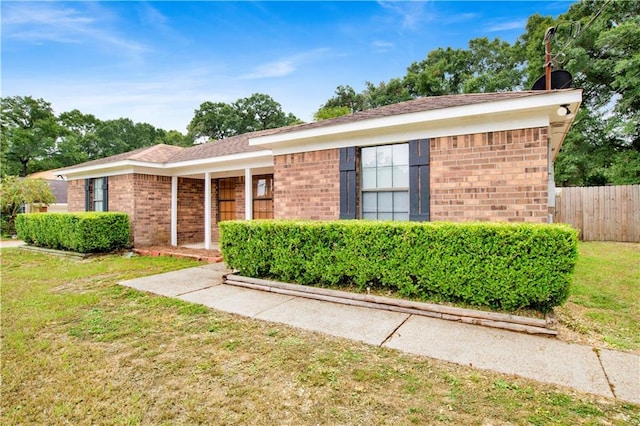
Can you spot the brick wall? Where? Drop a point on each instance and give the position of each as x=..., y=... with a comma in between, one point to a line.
x=121, y=197
x=75, y=195
x=307, y=185
x=190, y=210
x=495, y=176
x=240, y=199
x=152, y=199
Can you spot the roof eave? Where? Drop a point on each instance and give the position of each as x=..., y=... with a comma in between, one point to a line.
x=544, y=101
x=165, y=169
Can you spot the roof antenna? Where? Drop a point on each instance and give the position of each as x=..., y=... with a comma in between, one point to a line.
x=548, y=36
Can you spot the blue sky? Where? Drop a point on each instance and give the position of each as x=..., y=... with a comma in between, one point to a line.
x=157, y=61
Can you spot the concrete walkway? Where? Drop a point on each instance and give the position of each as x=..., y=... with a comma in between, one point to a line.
x=11, y=243
x=598, y=371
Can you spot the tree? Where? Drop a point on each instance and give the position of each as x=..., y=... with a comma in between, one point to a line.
x=218, y=120
x=29, y=131
x=385, y=93
x=598, y=42
x=326, y=113
x=122, y=135
x=346, y=96
x=260, y=112
x=79, y=138
x=174, y=137
x=15, y=192
x=443, y=72
x=486, y=66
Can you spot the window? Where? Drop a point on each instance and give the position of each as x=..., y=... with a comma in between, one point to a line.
x=226, y=199
x=96, y=194
x=263, y=197
x=385, y=182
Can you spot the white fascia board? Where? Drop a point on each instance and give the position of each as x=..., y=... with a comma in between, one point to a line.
x=244, y=156
x=406, y=133
x=229, y=166
x=114, y=169
x=169, y=169
x=534, y=102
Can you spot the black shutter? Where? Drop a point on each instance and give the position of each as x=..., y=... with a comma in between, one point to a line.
x=105, y=194
x=419, y=180
x=348, y=183
x=87, y=195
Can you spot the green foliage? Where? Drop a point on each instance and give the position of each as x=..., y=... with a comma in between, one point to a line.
x=28, y=131
x=326, y=113
x=90, y=232
x=34, y=139
x=16, y=192
x=219, y=120
x=597, y=41
x=502, y=266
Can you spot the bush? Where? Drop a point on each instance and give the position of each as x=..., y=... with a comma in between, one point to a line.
x=89, y=232
x=502, y=266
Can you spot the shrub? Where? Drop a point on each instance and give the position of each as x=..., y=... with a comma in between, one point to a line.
x=503, y=266
x=89, y=232
x=15, y=192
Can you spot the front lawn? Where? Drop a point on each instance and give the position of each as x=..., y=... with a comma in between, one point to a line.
x=77, y=348
x=604, y=306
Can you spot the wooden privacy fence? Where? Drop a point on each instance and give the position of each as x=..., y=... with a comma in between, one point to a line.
x=601, y=213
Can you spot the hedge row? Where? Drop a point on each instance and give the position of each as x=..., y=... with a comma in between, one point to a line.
x=502, y=266
x=89, y=232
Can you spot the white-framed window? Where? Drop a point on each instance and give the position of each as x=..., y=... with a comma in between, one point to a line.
x=385, y=182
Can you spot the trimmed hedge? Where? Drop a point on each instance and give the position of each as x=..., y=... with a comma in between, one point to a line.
x=502, y=266
x=90, y=232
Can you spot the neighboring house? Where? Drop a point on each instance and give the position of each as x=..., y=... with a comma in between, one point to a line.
x=471, y=157
x=59, y=188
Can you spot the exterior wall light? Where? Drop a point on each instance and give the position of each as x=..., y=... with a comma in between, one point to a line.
x=563, y=110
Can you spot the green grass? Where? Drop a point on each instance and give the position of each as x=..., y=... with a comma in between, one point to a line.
x=79, y=349
x=604, y=305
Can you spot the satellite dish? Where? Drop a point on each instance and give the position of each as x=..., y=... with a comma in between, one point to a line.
x=560, y=79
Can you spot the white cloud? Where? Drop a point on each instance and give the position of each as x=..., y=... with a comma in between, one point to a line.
x=49, y=22
x=42, y=14
x=271, y=69
x=411, y=14
x=284, y=66
x=380, y=46
x=519, y=24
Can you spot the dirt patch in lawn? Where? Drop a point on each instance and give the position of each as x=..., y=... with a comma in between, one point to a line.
x=210, y=256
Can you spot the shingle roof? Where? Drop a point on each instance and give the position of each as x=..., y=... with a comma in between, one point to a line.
x=59, y=189
x=152, y=154
x=240, y=144
x=233, y=145
x=429, y=103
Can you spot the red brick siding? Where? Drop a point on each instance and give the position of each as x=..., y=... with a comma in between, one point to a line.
x=120, y=194
x=75, y=195
x=307, y=185
x=240, y=199
x=496, y=176
x=152, y=198
x=190, y=210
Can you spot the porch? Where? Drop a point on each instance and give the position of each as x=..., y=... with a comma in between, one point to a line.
x=200, y=201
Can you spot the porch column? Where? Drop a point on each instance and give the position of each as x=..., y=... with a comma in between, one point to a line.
x=207, y=210
x=551, y=185
x=174, y=210
x=248, y=195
